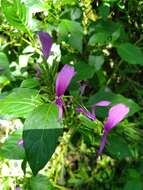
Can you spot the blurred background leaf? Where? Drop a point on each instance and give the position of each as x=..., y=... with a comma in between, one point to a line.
x=11, y=149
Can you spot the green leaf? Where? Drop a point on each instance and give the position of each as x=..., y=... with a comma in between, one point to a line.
x=133, y=184
x=104, y=94
x=72, y=33
x=41, y=132
x=107, y=31
x=96, y=61
x=65, y=2
x=84, y=71
x=130, y=53
x=16, y=13
x=89, y=129
x=88, y=136
x=10, y=149
x=40, y=182
x=4, y=63
x=76, y=13
x=19, y=103
x=23, y=165
x=100, y=38
x=87, y=122
x=3, y=81
x=118, y=147
x=29, y=83
x=134, y=180
x=104, y=11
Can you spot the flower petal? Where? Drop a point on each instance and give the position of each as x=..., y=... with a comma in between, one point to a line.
x=64, y=78
x=103, y=103
x=60, y=107
x=116, y=114
x=46, y=42
x=86, y=113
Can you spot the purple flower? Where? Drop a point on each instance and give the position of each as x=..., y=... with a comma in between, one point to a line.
x=63, y=80
x=115, y=115
x=17, y=188
x=92, y=115
x=46, y=42
x=20, y=142
x=86, y=113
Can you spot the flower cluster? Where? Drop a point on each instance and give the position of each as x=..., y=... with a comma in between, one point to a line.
x=115, y=114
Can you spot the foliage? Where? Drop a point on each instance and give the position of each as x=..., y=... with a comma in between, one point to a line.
x=103, y=41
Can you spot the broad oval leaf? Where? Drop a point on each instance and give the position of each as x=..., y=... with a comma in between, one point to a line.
x=84, y=71
x=41, y=132
x=130, y=53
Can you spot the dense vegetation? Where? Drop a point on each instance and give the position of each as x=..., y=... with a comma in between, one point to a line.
x=88, y=52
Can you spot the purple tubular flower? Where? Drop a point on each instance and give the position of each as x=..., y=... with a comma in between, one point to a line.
x=46, y=42
x=116, y=114
x=63, y=80
x=86, y=113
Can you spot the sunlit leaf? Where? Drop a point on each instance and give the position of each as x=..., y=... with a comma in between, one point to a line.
x=29, y=83
x=19, y=103
x=16, y=13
